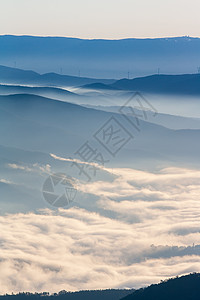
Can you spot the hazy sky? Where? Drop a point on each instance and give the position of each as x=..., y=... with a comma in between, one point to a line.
x=100, y=19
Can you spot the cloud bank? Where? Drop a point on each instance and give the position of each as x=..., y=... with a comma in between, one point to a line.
x=145, y=228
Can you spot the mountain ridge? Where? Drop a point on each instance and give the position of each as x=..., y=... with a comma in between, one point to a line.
x=183, y=84
x=16, y=76
x=101, y=58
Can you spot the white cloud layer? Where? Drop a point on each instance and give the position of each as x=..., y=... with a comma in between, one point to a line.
x=149, y=231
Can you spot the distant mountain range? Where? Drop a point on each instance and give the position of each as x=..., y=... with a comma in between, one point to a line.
x=183, y=288
x=101, y=58
x=63, y=127
x=187, y=84
x=32, y=127
x=18, y=76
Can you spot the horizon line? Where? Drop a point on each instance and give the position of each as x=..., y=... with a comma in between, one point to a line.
x=105, y=39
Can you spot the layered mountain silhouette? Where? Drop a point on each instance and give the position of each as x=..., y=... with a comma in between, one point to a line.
x=36, y=123
x=18, y=76
x=32, y=127
x=46, y=117
x=101, y=58
x=188, y=84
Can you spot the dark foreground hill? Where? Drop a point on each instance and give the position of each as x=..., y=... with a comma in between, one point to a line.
x=63, y=295
x=183, y=288
x=179, y=288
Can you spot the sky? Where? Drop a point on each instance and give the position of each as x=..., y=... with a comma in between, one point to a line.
x=110, y=19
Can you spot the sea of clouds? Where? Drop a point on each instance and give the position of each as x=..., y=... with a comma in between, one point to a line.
x=145, y=229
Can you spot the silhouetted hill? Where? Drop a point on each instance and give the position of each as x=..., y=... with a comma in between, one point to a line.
x=98, y=86
x=18, y=76
x=183, y=288
x=101, y=58
x=17, y=89
x=188, y=84
x=49, y=92
x=179, y=288
x=62, y=295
